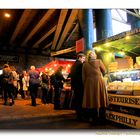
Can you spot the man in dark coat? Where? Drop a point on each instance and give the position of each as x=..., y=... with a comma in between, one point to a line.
x=58, y=86
x=77, y=84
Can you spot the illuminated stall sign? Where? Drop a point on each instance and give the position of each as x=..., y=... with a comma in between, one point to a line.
x=9, y=58
x=129, y=101
x=126, y=119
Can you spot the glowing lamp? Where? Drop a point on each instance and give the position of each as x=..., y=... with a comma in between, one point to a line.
x=7, y=15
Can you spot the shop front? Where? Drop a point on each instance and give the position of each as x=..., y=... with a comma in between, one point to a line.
x=121, y=56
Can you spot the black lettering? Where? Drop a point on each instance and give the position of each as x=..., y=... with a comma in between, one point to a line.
x=137, y=101
x=132, y=100
x=134, y=121
x=126, y=100
x=118, y=118
x=110, y=98
x=128, y=120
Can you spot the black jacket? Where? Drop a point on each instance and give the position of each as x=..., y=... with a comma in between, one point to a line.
x=76, y=75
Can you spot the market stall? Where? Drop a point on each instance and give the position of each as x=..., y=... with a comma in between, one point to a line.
x=121, y=56
x=66, y=92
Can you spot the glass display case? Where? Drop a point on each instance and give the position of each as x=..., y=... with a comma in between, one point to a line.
x=124, y=82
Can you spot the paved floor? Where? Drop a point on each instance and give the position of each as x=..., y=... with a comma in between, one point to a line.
x=24, y=116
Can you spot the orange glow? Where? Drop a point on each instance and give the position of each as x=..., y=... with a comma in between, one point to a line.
x=69, y=65
x=7, y=15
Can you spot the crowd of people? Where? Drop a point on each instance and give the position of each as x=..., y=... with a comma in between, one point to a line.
x=27, y=83
x=88, y=88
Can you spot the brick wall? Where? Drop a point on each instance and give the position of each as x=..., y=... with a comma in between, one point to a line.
x=25, y=61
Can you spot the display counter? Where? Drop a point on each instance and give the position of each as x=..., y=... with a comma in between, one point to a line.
x=124, y=97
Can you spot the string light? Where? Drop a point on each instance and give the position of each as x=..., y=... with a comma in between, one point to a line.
x=107, y=44
x=127, y=37
x=97, y=49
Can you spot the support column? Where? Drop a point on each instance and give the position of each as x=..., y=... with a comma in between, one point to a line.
x=85, y=17
x=103, y=23
x=134, y=21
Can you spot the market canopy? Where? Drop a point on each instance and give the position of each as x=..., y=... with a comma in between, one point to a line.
x=124, y=43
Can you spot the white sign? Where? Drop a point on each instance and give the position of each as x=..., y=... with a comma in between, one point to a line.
x=129, y=120
x=123, y=100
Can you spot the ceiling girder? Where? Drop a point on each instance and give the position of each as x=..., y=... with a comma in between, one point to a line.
x=44, y=37
x=67, y=28
x=22, y=24
x=61, y=20
x=37, y=27
x=72, y=49
x=48, y=45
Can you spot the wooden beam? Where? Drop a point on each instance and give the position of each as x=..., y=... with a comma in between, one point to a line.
x=67, y=27
x=40, y=23
x=48, y=45
x=72, y=49
x=45, y=36
x=21, y=24
x=59, y=27
x=76, y=26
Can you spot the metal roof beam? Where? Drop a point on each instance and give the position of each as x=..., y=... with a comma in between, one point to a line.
x=131, y=13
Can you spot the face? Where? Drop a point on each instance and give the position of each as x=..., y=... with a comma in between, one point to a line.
x=82, y=59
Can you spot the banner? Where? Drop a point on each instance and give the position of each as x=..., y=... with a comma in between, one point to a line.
x=80, y=45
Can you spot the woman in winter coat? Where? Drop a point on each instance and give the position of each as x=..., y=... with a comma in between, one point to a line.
x=95, y=93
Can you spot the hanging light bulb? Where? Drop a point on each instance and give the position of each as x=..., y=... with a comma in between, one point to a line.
x=7, y=15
